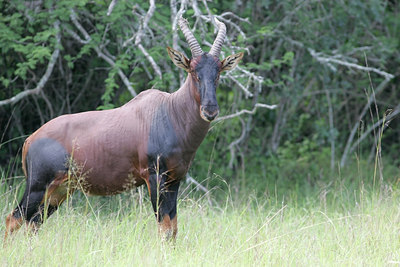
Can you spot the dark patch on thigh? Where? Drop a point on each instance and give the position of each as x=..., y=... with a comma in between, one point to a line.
x=46, y=157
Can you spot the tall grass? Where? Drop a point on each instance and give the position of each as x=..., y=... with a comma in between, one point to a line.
x=333, y=225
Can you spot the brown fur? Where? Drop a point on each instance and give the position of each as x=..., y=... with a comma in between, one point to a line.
x=168, y=228
x=123, y=133
x=58, y=191
x=25, y=149
x=12, y=224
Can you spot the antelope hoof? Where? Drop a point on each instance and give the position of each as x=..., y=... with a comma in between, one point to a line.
x=167, y=229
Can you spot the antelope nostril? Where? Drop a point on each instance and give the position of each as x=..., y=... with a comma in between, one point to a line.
x=209, y=112
x=211, y=117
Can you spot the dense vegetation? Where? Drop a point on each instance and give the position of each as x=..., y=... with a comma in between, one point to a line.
x=331, y=67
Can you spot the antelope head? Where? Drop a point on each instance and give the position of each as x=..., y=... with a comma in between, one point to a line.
x=204, y=68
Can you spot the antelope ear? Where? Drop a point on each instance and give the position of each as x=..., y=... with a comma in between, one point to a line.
x=230, y=62
x=179, y=59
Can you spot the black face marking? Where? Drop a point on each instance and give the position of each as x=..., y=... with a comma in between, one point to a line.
x=207, y=71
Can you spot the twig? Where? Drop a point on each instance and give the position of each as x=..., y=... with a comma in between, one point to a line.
x=124, y=79
x=199, y=23
x=210, y=15
x=355, y=127
x=76, y=36
x=328, y=60
x=48, y=103
x=45, y=77
x=234, y=25
x=199, y=186
x=379, y=123
x=175, y=15
x=243, y=111
x=175, y=36
x=331, y=129
x=252, y=76
x=151, y=60
x=245, y=90
x=228, y=13
x=111, y=7
x=75, y=21
x=139, y=35
x=146, y=20
x=138, y=38
x=236, y=142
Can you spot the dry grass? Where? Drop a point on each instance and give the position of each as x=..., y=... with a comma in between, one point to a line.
x=357, y=228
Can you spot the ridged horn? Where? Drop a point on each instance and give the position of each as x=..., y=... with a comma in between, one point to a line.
x=193, y=44
x=219, y=40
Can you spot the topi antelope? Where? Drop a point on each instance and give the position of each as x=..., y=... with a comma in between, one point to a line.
x=150, y=140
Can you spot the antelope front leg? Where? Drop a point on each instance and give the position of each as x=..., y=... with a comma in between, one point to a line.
x=163, y=198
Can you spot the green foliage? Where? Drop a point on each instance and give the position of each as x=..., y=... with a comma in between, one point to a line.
x=285, y=145
x=109, y=93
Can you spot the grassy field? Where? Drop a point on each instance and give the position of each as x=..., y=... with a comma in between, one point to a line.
x=327, y=228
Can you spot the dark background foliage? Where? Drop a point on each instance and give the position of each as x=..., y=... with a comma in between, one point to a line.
x=332, y=67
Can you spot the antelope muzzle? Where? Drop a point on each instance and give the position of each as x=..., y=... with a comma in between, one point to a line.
x=209, y=112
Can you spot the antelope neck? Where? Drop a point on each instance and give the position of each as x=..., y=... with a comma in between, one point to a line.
x=186, y=111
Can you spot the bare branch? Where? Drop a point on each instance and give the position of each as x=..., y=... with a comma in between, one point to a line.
x=362, y=114
x=331, y=128
x=234, y=25
x=385, y=120
x=199, y=186
x=328, y=60
x=245, y=90
x=210, y=15
x=45, y=77
x=111, y=7
x=151, y=60
x=145, y=23
x=252, y=76
x=144, y=26
x=235, y=16
x=245, y=111
x=138, y=38
x=76, y=36
x=174, y=20
x=235, y=143
x=176, y=16
x=124, y=79
x=79, y=26
x=48, y=103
